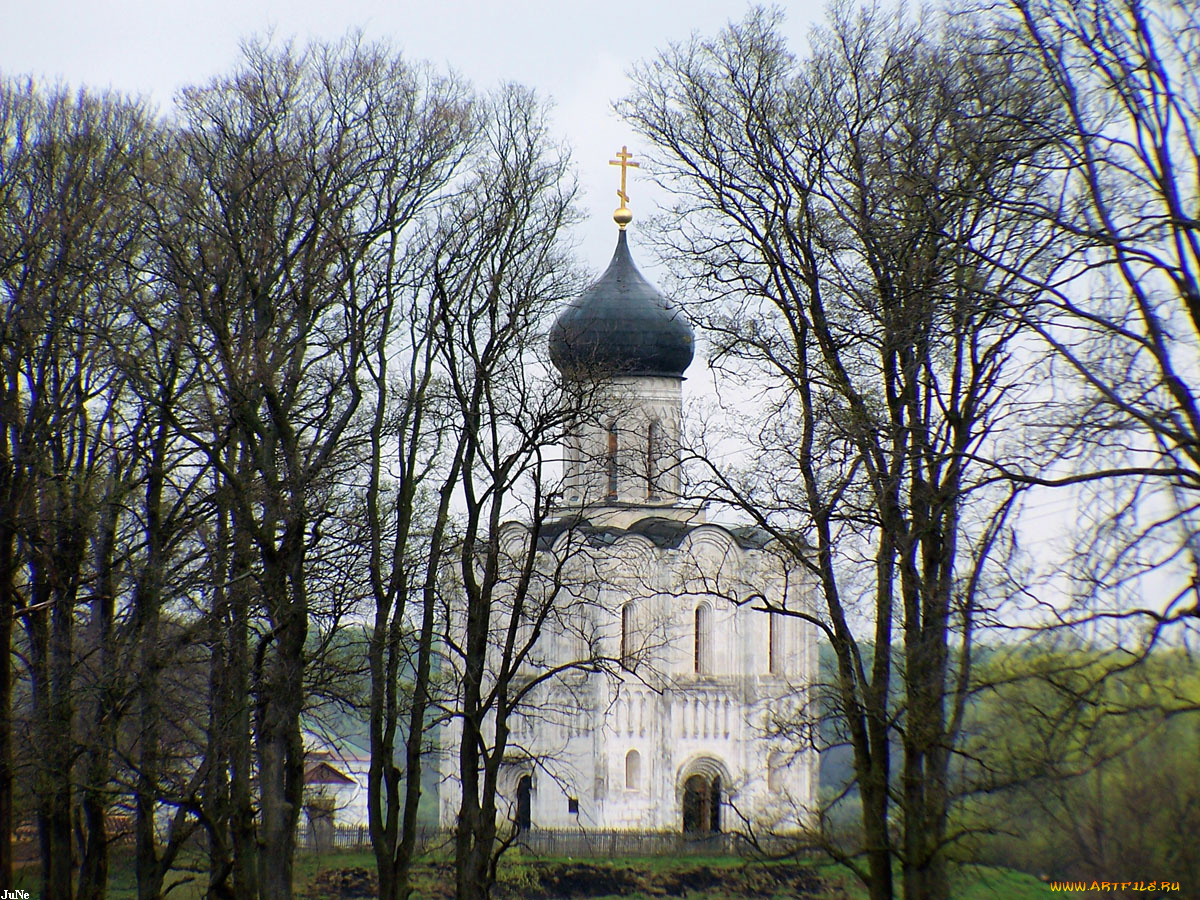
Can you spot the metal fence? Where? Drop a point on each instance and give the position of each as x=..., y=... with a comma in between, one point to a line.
x=619, y=844
x=326, y=840
x=314, y=838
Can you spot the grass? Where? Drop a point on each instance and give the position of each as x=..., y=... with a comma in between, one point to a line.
x=986, y=883
x=192, y=877
x=969, y=882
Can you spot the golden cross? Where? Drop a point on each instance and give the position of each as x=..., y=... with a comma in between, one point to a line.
x=623, y=160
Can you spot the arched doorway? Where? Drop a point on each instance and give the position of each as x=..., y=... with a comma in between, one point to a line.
x=524, y=803
x=702, y=805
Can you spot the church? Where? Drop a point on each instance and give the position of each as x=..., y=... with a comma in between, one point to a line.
x=690, y=719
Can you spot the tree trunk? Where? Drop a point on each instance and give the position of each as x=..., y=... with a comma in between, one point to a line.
x=93, y=871
x=280, y=747
x=7, y=611
x=105, y=686
x=243, y=828
x=149, y=872
x=216, y=802
x=50, y=664
x=474, y=833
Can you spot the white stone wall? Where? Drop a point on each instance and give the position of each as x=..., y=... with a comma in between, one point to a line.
x=679, y=721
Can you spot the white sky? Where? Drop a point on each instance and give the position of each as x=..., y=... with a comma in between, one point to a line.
x=576, y=53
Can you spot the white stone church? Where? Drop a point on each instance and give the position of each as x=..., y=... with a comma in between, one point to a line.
x=694, y=722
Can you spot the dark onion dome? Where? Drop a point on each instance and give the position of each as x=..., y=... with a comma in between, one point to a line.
x=662, y=532
x=621, y=325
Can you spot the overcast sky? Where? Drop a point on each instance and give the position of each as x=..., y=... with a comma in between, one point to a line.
x=576, y=53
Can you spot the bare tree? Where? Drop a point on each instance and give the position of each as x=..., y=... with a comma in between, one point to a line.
x=842, y=208
x=168, y=507
x=410, y=480
x=292, y=174
x=16, y=115
x=497, y=269
x=69, y=258
x=1125, y=322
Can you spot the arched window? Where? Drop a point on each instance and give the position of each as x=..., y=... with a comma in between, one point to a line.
x=775, y=644
x=524, y=803
x=703, y=655
x=573, y=471
x=627, y=635
x=576, y=641
x=776, y=770
x=633, y=770
x=653, y=450
x=611, y=460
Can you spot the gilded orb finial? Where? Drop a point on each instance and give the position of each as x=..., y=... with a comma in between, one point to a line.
x=623, y=216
